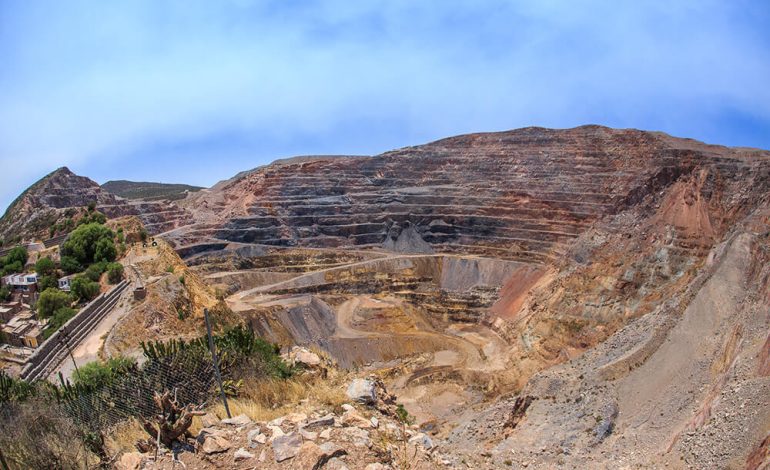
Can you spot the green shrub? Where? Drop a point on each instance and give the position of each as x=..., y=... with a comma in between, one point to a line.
x=83, y=288
x=12, y=268
x=45, y=267
x=51, y=300
x=70, y=265
x=19, y=254
x=14, y=261
x=403, y=415
x=95, y=271
x=88, y=243
x=59, y=318
x=5, y=293
x=47, y=282
x=95, y=375
x=14, y=389
x=105, y=250
x=115, y=273
x=169, y=269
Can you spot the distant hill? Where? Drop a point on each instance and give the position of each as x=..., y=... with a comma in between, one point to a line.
x=149, y=191
x=54, y=198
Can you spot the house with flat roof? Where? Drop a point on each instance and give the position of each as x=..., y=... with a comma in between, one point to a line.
x=64, y=282
x=26, y=283
x=8, y=310
x=23, y=330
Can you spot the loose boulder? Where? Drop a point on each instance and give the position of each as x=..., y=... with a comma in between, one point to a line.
x=287, y=446
x=362, y=391
x=313, y=457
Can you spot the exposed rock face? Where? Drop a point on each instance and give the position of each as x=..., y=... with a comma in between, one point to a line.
x=43, y=203
x=524, y=194
x=60, y=194
x=559, y=298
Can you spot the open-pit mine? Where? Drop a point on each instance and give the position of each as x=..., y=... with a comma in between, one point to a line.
x=581, y=298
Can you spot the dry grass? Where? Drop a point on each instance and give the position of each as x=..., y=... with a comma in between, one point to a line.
x=263, y=400
x=123, y=437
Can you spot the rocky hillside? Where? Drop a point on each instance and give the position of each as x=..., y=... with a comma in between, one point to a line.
x=61, y=194
x=149, y=191
x=47, y=201
x=580, y=298
x=607, y=283
x=521, y=195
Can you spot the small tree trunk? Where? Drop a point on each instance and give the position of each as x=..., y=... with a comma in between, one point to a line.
x=171, y=423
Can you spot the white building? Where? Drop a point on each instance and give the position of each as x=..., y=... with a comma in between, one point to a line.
x=21, y=282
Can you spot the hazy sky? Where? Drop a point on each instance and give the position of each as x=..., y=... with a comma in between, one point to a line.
x=194, y=91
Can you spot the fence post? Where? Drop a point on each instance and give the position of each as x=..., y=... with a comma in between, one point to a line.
x=216, y=363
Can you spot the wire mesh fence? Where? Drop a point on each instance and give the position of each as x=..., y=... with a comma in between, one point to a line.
x=130, y=395
x=112, y=393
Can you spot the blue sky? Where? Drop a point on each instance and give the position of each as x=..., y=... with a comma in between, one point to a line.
x=194, y=91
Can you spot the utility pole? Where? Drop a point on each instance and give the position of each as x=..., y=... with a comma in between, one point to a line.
x=216, y=362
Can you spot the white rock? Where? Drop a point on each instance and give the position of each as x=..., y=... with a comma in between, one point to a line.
x=362, y=391
x=375, y=422
x=348, y=407
x=277, y=421
x=422, y=439
x=359, y=437
x=254, y=437
x=309, y=435
x=242, y=454
x=214, y=444
x=308, y=358
x=240, y=420
x=277, y=432
x=325, y=434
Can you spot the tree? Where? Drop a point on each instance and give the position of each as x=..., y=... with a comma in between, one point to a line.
x=83, y=288
x=70, y=265
x=46, y=282
x=115, y=272
x=19, y=254
x=95, y=375
x=5, y=293
x=83, y=242
x=52, y=300
x=172, y=422
x=45, y=267
x=14, y=261
x=94, y=272
x=105, y=250
x=59, y=318
x=15, y=267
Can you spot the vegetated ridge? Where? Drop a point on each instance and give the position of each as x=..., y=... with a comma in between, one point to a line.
x=149, y=191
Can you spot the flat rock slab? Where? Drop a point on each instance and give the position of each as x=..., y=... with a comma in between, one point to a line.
x=287, y=446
